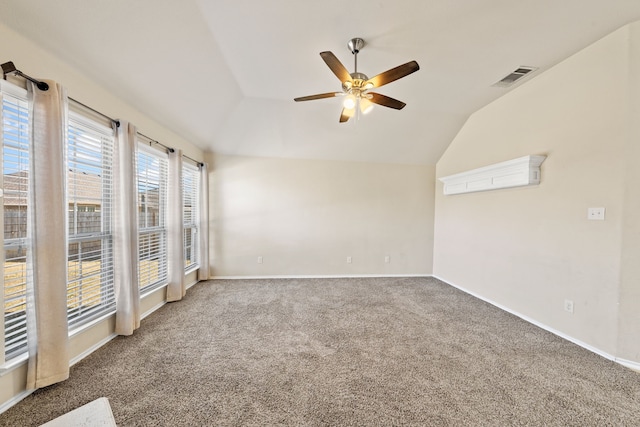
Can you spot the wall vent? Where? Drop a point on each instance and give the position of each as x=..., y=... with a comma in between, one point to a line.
x=514, y=76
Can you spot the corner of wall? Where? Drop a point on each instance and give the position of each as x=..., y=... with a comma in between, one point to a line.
x=629, y=298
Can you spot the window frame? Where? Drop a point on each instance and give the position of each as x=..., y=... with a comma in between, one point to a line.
x=104, y=303
x=161, y=230
x=13, y=346
x=191, y=222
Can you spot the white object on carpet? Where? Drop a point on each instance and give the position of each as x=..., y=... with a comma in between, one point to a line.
x=93, y=414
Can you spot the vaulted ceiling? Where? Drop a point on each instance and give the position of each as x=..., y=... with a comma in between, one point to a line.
x=224, y=73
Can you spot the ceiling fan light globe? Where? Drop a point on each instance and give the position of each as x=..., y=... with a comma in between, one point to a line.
x=349, y=102
x=365, y=106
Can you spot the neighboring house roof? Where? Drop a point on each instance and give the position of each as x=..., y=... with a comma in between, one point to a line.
x=83, y=188
x=15, y=185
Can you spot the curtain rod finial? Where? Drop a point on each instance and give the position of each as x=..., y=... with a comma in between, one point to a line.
x=8, y=67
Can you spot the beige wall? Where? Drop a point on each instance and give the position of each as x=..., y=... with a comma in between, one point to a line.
x=629, y=304
x=38, y=63
x=305, y=217
x=529, y=249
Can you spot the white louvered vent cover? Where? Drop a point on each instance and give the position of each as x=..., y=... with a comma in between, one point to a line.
x=516, y=75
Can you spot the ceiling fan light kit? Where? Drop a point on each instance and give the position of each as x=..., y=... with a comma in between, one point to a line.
x=356, y=85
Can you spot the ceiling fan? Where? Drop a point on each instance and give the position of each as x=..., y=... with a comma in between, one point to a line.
x=356, y=86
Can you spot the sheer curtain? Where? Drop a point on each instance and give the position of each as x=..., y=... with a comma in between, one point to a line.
x=47, y=330
x=175, y=243
x=125, y=231
x=203, y=241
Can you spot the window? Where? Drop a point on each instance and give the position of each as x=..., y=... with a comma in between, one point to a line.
x=152, y=202
x=190, y=206
x=15, y=174
x=90, y=288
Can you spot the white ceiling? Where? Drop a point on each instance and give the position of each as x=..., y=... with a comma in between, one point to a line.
x=224, y=73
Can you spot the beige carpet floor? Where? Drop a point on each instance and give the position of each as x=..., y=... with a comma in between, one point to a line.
x=341, y=352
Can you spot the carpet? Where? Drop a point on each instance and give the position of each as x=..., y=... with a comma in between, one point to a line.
x=341, y=352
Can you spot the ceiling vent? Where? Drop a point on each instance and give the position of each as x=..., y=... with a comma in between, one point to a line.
x=513, y=77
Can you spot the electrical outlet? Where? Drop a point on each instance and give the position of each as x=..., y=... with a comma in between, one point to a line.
x=596, y=214
x=259, y=260
x=387, y=259
x=348, y=260
x=568, y=306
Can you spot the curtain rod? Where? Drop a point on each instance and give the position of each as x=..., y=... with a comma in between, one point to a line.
x=200, y=164
x=116, y=122
x=8, y=67
x=169, y=149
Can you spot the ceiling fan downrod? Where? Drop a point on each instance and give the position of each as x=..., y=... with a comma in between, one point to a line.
x=354, y=46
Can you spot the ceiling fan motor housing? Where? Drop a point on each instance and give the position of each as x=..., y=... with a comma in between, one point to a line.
x=357, y=85
x=359, y=76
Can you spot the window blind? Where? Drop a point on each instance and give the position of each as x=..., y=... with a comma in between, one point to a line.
x=15, y=174
x=90, y=287
x=190, y=205
x=152, y=167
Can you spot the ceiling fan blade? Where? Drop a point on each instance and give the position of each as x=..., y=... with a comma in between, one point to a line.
x=394, y=74
x=318, y=96
x=386, y=101
x=336, y=66
x=346, y=114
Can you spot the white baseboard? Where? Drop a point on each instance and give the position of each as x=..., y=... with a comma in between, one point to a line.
x=627, y=363
x=190, y=285
x=163, y=302
x=329, y=276
x=152, y=309
x=14, y=400
x=91, y=349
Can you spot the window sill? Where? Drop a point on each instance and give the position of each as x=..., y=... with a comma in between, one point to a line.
x=13, y=363
x=83, y=327
x=150, y=291
x=191, y=269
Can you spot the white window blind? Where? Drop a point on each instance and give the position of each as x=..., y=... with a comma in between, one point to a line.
x=15, y=175
x=90, y=288
x=190, y=205
x=152, y=167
